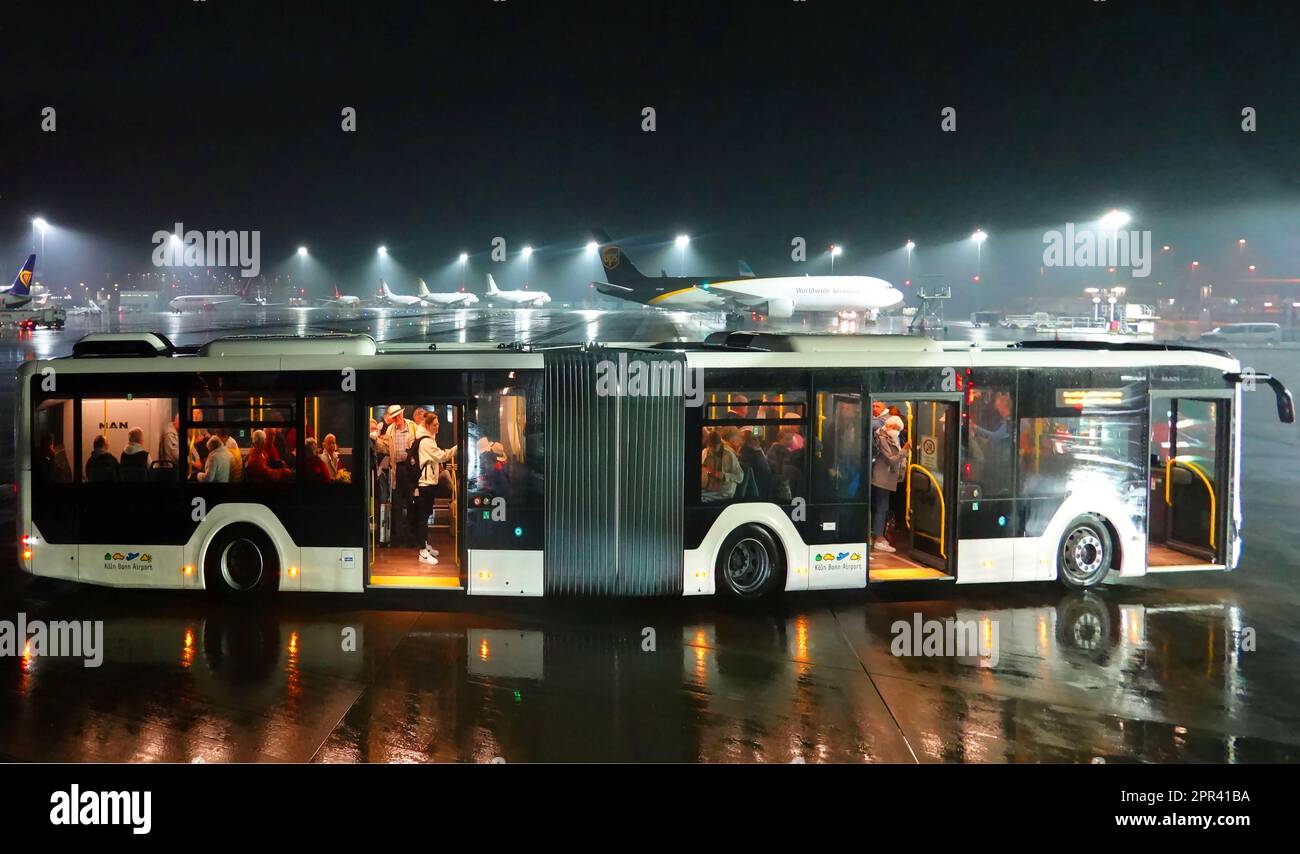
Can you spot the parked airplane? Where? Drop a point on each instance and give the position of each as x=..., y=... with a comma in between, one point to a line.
x=522, y=299
x=19, y=293
x=777, y=297
x=458, y=299
x=341, y=300
x=210, y=302
x=387, y=296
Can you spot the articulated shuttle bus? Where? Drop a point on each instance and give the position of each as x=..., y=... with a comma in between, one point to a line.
x=740, y=466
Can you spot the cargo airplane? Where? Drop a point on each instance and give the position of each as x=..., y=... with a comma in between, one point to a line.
x=777, y=297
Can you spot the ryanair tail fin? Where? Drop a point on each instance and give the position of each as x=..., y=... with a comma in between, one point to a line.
x=22, y=285
x=492, y=286
x=619, y=269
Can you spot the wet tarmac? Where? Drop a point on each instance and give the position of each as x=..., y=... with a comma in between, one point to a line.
x=1196, y=668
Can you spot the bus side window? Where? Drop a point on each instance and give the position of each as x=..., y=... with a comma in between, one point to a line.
x=51, y=435
x=991, y=441
x=327, y=428
x=837, y=466
x=130, y=439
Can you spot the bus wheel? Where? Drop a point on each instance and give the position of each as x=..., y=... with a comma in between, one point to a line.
x=1085, y=553
x=751, y=564
x=241, y=562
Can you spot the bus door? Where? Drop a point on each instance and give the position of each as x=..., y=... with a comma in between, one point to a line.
x=1188, y=474
x=920, y=525
x=416, y=536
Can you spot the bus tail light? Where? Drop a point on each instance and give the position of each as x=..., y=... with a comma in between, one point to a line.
x=189, y=570
x=293, y=572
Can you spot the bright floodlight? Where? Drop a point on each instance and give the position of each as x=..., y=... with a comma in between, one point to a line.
x=302, y=251
x=682, y=240
x=592, y=246
x=909, y=246
x=837, y=250
x=40, y=223
x=528, y=251
x=1115, y=219
x=383, y=250
x=979, y=236
x=175, y=240
x=464, y=256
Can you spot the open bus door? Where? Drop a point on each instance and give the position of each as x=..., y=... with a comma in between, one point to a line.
x=1189, y=468
x=921, y=525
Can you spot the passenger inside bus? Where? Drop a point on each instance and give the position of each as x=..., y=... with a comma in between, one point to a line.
x=102, y=465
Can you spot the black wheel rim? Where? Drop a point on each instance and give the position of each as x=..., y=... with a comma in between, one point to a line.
x=241, y=564
x=749, y=566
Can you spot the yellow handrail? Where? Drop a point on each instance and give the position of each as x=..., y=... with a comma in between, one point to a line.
x=943, y=509
x=1169, y=465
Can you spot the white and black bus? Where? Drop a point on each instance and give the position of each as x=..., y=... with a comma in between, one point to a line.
x=740, y=465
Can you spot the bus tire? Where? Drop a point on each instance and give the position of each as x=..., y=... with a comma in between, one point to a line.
x=1085, y=554
x=751, y=565
x=241, y=563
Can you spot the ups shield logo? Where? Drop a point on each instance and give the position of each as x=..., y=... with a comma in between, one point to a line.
x=609, y=257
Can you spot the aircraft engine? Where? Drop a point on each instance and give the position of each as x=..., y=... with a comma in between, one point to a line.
x=780, y=308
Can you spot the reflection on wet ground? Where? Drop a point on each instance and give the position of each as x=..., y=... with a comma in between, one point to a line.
x=1127, y=673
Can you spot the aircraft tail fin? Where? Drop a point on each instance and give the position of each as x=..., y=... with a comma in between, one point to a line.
x=22, y=285
x=245, y=289
x=423, y=288
x=746, y=271
x=619, y=269
x=383, y=289
x=492, y=286
x=336, y=291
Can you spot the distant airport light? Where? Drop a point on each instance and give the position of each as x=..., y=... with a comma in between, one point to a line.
x=175, y=240
x=528, y=252
x=979, y=236
x=975, y=279
x=909, y=246
x=1251, y=268
x=302, y=251
x=464, y=256
x=40, y=223
x=1115, y=219
x=1196, y=263
x=383, y=250
x=682, y=240
x=836, y=250
x=592, y=246
x=1241, y=242
x=1166, y=248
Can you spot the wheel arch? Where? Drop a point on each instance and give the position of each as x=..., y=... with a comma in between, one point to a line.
x=766, y=515
x=258, y=515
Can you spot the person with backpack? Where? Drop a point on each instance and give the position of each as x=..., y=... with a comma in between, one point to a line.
x=431, y=481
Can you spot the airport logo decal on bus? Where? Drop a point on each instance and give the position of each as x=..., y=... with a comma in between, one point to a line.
x=128, y=560
x=642, y=378
x=847, y=558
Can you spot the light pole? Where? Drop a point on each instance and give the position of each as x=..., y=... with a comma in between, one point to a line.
x=909, y=246
x=979, y=237
x=682, y=241
x=836, y=251
x=528, y=264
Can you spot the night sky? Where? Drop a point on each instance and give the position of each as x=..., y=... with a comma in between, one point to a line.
x=523, y=119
